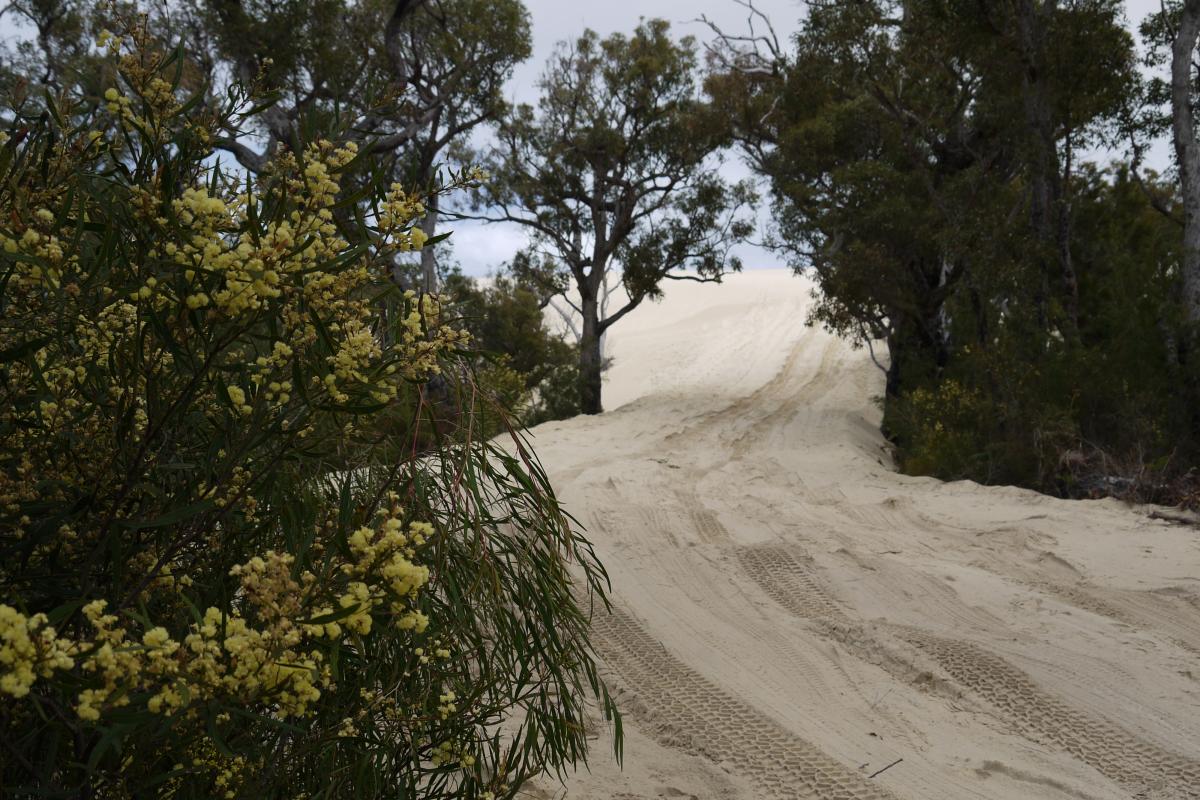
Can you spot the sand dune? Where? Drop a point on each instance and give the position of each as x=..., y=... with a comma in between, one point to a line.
x=793, y=616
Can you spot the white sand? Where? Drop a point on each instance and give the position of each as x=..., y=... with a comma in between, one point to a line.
x=794, y=616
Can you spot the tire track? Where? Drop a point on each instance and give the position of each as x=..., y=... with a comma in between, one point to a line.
x=1024, y=706
x=703, y=521
x=711, y=531
x=813, y=389
x=1175, y=617
x=1111, y=750
x=789, y=579
x=707, y=525
x=682, y=708
x=1181, y=626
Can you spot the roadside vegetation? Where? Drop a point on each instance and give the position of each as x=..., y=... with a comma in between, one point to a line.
x=1035, y=313
x=246, y=549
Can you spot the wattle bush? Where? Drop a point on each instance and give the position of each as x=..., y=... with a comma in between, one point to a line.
x=217, y=578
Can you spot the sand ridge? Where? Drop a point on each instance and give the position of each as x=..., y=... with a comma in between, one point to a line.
x=793, y=616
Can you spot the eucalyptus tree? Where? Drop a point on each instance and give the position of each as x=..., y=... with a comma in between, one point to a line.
x=863, y=185
x=1174, y=38
x=1187, y=148
x=406, y=79
x=927, y=164
x=360, y=61
x=466, y=50
x=614, y=172
x=920, y=155
x=414, y=77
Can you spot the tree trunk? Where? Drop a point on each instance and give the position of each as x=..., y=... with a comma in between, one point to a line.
x=429, y=276
x=1049, y=214
x=590, y=359
x=1187, y=153
x=980, y=310
x=1070, y=280
x=893, y=386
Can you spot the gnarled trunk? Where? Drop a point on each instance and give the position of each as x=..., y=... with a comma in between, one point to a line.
x=1050, y=214
x=590, y=360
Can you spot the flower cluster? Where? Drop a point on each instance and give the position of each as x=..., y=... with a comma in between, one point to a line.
x=268, y=651
x=252, y=283
x=219, y=485
x=261, y=263
x=29, y=648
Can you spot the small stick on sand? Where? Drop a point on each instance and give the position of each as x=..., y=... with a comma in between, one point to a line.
x=885, y=769
x=1179, y=519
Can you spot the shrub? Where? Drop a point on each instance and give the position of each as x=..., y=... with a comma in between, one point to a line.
x=530, y=364
x=941, y=429
x=213, y=579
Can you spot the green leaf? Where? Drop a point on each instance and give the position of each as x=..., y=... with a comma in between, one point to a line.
x=171, y=517
x=17, y=351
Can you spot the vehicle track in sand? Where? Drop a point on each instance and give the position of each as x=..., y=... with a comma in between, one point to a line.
x=1175, y=617
x=788, y=576
x=681, y=708
x=790, y=607
x=1036, y=714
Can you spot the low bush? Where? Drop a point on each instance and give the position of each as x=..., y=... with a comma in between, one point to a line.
x=219, y=575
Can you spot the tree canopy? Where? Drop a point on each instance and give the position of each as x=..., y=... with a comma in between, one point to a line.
x=924, y=165
x=613, y=171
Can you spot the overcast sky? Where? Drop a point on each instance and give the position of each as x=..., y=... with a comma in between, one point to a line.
x=481, y=248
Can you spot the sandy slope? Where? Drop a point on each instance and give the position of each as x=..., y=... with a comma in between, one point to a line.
x=792, y=615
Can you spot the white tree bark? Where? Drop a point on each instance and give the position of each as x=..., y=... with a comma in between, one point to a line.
x=1187, y=151
x=605, y=293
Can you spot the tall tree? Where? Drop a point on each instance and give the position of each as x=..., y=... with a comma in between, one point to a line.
x=487, y=37
x=1187, y=149
x=405, y=78
x=364, y=76
x=919, y=151
x=875, y=166
x=408, y=79
x=58, y=28
x=615, y=173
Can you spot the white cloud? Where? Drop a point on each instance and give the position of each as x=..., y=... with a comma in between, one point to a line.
x=481, y=248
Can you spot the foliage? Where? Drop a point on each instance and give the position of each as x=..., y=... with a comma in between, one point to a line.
x=1075, y=413
x=407, y=78
x=212, y=580
x=923, y=162
x=941, y=429
x=506, y=321
x=467, y=49
x=417, y=77
x=614, y=171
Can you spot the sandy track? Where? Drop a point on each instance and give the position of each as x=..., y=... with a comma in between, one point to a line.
x=793, y=616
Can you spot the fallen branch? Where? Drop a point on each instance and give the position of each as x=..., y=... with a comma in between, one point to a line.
x=885, y=769
x=1181, y=519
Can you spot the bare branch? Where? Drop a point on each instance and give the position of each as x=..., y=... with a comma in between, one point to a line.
x=252, y=161
x=607, y=323
x=568, y=318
